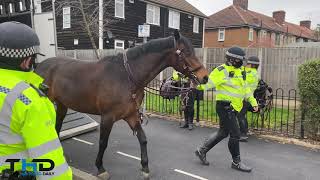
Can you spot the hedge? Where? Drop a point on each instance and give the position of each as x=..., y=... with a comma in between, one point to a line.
x=309, y=89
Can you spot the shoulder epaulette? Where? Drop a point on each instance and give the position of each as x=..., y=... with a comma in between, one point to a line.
x=220, y=68
x=41, y=93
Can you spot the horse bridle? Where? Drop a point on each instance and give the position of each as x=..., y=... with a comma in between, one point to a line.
x=187, y=70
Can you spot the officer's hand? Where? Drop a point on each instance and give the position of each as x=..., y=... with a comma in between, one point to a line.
x=255, y=109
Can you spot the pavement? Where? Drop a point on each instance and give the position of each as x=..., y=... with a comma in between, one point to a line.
x=171, y=155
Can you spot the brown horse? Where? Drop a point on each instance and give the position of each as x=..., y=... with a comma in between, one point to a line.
x=114, y=86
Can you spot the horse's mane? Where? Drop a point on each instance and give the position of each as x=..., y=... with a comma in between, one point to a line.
x=153, y=46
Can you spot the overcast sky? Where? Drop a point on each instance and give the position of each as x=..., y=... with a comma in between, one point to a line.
x=296, y=10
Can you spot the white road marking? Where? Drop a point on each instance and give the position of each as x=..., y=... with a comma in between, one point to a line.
x=83, y=141
x=128, y=155
x=189, y=174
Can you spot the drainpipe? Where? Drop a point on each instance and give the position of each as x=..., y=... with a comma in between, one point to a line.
x=101, y=24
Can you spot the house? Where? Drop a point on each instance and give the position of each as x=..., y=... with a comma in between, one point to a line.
x=237, y=25
x=163, y=16
x=13, y=10
x=40, y=18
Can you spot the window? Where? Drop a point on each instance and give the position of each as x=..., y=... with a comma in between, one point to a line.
x=251, y=34
x=119, y=8
x=118, y=44
x=10, y=8
x=1, y=10
x=22, y=5
x=221, y=35
x=278, y=39
x=66, y=18
x=195, y=24
x=153, y=14
x=174, y=19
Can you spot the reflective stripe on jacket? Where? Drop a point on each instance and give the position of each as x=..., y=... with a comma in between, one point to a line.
x=230, y=86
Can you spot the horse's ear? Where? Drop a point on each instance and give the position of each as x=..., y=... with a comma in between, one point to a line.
x=177, y=35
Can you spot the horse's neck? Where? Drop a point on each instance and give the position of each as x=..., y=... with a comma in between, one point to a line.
x=149, y=66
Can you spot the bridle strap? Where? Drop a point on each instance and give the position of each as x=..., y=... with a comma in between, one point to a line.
x=129, y=71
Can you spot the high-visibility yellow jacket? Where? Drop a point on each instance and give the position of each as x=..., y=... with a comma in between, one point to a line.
x=230, y=86
x=252, y=79
x=176, y=77
x=27, y=125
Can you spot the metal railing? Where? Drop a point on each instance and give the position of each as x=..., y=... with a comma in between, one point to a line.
x=283, y=118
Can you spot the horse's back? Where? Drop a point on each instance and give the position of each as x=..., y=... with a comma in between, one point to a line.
x=51, y=65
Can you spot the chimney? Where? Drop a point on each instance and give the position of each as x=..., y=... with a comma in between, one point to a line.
x=279, y=16
x=242, y=3
x=306, y=24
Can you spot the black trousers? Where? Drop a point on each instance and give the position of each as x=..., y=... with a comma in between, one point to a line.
x=242, y=118
x=228, y=126
x=188, y=101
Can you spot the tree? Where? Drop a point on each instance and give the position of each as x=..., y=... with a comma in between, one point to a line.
x=89, y=11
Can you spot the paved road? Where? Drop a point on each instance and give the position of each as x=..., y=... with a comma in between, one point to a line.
x=171, y=148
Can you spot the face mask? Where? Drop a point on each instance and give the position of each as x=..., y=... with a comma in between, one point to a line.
x=237, y=64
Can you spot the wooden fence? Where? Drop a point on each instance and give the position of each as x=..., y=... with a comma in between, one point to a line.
x=279, y=66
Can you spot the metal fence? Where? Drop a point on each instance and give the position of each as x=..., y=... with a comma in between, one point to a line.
x=284, y=117
x=279, y=66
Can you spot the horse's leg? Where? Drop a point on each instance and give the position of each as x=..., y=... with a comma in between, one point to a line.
x=143, y=147
x=105, y=129
x=135, y=125
x=61, y=114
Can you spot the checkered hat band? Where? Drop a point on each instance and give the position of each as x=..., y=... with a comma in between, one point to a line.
x=234, y=55
x=253, y=62
x=18, y=53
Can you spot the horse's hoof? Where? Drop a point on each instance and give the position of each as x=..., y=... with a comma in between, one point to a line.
x=105, y=175
x=146, y=176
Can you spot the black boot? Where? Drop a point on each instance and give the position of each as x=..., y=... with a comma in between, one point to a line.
x=238, y=165
x=243, y=138
x=202, y=156
x=185, y=125
x=209, y=143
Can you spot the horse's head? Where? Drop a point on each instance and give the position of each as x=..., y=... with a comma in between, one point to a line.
x=186, y=62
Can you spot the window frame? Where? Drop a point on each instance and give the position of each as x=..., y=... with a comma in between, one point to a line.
x=174, y=14
x=64, y=15
x=118, y=41
x=155, y=10
x=2, y=10
x=223, y=31
x=251, y=33
x=123, y=8
x=11, y=8
x=196, y=25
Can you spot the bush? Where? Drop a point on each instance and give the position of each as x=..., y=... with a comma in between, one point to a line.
x=309, y=89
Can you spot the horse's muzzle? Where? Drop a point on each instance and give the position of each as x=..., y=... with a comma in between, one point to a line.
x=205, y=80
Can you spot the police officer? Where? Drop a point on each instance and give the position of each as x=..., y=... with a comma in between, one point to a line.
x=229, y=82
x=188, y=100
x=252, y=79
x=27, y=116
